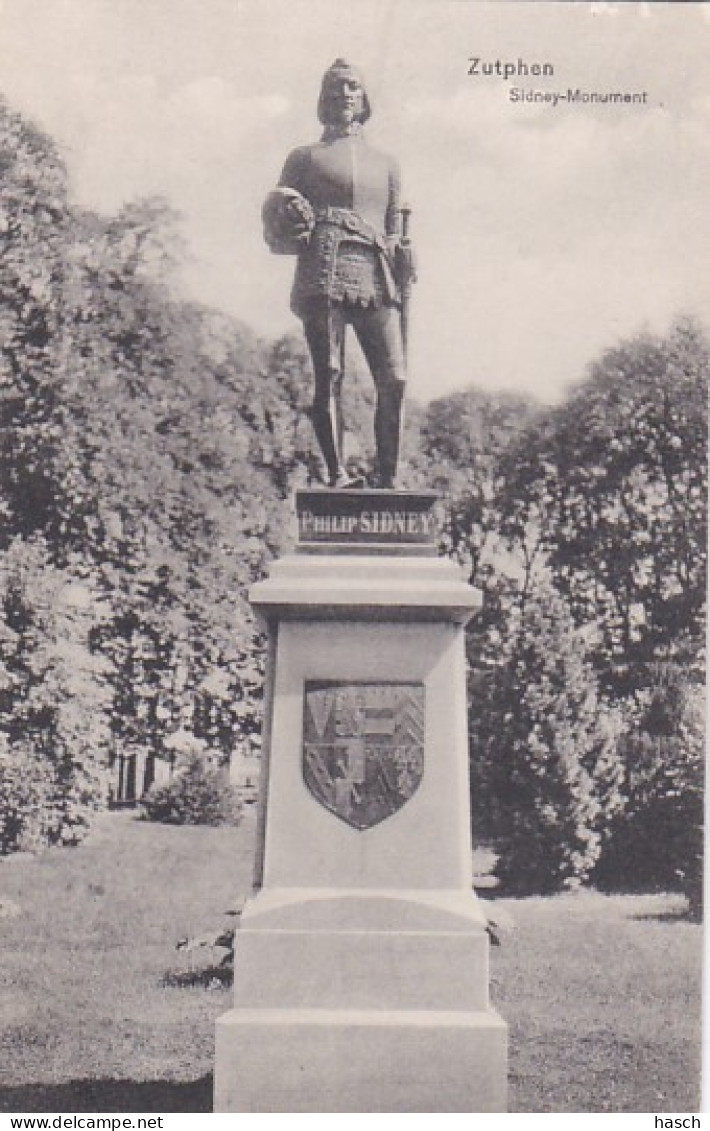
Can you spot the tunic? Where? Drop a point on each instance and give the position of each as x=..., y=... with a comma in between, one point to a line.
x=355, y=193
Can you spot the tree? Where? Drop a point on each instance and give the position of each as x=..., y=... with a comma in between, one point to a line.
x=543, y=775
x=656, y=840
x=608, y=493
x=34, y=216
x=128, y=470
x=464, y=437
x=613, y=484
x=54, y=738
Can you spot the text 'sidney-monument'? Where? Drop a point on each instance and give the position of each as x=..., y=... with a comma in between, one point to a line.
x=361, y=962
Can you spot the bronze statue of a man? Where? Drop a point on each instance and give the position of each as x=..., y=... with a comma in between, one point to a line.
x=338, y=208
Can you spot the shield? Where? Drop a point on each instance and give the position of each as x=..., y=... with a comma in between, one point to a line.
x=363, y=747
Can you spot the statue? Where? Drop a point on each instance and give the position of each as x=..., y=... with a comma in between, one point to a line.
x=338, y=209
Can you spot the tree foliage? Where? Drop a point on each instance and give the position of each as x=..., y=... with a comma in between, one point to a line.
x=656, y=840
x=54, y=699
x=612, y=486
x=604, y=498
x=151, y=445
x=544, y=774
x=463, y=439
x=34, y=217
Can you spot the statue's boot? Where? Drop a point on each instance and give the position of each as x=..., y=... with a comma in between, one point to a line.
x=388, y=427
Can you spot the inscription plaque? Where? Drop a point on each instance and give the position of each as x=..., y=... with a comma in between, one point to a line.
x=401, y=521
x=363, y=747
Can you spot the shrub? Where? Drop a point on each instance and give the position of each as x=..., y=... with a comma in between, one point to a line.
x=41, y=803
x=200, y=793
x=542, y=752
x=24, y=787
x=656, y=841
x=53, y=699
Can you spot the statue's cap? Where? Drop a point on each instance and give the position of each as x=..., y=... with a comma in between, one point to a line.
x=342, y=68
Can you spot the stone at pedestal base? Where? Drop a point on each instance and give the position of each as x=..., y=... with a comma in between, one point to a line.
x=327, y=1060
x=361, y=1001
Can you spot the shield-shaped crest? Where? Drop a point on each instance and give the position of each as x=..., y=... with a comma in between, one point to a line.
x=363, y=747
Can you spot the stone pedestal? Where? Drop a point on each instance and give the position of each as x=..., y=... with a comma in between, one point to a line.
x=361, y=962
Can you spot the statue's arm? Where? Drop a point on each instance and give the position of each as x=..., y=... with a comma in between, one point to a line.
x=286, y=213
x=293, y=172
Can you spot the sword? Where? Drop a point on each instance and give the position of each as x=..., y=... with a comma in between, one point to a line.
x=406, y=280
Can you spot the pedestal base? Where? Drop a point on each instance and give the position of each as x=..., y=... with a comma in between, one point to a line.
x=361, y=1001
x=336, y=1061
x=361, y=964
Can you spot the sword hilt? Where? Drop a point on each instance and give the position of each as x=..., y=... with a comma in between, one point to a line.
x=408, y=270
x=405, y=212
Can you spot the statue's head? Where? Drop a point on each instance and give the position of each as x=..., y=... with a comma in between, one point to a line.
x=343, y=98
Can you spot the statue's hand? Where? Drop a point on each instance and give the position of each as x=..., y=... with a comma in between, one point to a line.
x=299, y=216
x=299, y=227
x=288, y=221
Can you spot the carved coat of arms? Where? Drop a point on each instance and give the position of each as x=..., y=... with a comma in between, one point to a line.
x=363, y=747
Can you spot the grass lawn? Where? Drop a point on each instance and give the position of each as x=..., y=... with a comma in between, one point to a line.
x=602, y=994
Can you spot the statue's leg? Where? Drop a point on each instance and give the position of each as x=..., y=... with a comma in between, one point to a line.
x=379, y=335
x=324, y=327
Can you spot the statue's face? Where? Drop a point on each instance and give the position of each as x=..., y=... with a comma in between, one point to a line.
x=344, y=100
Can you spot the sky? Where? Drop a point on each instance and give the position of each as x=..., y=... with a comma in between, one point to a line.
x=544, y=234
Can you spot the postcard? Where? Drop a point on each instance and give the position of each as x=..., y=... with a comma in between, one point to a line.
x=353, y=371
